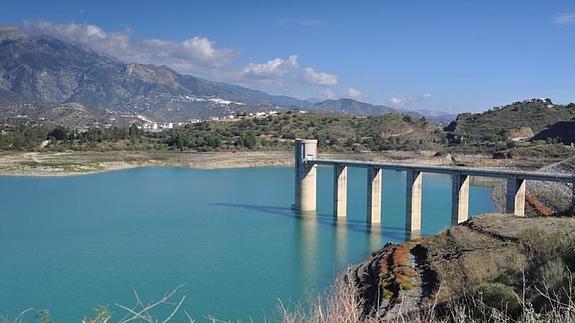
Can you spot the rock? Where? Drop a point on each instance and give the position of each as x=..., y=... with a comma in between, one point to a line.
x=413, y=276
x=523, y=133
x=543, y=198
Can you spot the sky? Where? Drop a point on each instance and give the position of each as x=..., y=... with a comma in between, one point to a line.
x=444, y=55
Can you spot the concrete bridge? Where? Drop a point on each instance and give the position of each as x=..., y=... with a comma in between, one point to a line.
x=306, y=163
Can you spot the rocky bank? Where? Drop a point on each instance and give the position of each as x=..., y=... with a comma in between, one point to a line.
x=431, y=272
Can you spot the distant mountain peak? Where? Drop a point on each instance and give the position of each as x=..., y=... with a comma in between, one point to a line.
x=355, y=107
x=35, y=67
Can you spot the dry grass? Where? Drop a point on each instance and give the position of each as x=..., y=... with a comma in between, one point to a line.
x=341, y=305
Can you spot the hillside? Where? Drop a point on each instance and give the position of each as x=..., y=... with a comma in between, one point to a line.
x=353, y=107
x=375, y=133
x=564, y=131
x=44, y=71
x=350, y=106
x=335, y=133
x=495, y=124
x=489, y=268
x=40, y=68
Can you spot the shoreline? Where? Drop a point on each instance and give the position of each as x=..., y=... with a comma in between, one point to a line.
x=75, y=163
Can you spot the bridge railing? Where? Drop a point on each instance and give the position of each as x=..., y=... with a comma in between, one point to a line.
x=306, y=162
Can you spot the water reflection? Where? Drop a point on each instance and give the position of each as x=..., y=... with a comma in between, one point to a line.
x=340, y=242
x=374, y=237
x=306, y=256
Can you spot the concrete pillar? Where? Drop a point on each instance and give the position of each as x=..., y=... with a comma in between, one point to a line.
x=339, y=191
x=373, y=195
x=413, y=201
x=516, y=196
x=305, y=176
x=459, y=198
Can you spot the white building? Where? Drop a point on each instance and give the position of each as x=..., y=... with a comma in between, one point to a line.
x=150, y=126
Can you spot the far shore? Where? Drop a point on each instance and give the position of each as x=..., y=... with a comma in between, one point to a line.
x=89, y=162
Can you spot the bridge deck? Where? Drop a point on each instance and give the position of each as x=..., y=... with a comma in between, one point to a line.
x=471, y=171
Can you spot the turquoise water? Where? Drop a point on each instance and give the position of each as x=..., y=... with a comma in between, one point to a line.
x=70, y=243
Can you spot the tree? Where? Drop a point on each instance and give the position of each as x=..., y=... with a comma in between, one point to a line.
x=247, y=140
x=213, y=141
x=58, y=133
x=179, y=139
x=134, y=133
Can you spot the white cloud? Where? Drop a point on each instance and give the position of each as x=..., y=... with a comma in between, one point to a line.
x=396, y=101
x=197, y=55
x=354, y=93
x=328, y=94
x=564, y=18
x=350, y=92
x=194, y=55
x=320, y=78
x=287, y=70
x=403, y=101
x=272, y=68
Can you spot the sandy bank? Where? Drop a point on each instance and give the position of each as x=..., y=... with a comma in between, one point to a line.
x=79, y=163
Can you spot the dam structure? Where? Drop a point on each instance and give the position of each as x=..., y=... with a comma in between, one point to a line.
x=306, y=163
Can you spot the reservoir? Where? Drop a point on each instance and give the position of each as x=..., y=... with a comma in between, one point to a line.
x=69, y=244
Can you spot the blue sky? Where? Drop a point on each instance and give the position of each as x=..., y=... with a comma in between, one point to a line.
x=445, y=55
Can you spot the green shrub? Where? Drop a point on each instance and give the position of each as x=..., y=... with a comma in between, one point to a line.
x=501, y=298
x=555, y=281
x=545, y=246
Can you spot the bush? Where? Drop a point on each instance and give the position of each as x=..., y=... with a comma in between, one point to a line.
x=501, y=298
x=556, y=281
x=545, y=246
x=247, y=140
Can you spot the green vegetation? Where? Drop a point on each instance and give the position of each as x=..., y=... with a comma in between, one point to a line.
x=500, y=297
x=494, y=132
x=334, y=132
x=493, y=126
x=542, y=289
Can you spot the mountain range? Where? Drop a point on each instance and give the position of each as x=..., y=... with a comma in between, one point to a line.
x=42, y=70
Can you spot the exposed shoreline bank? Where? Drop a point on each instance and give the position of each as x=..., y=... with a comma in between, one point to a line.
x=82, y=163
x=499, y=253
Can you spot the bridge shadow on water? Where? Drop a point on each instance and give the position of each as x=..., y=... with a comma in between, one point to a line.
x=325, y=219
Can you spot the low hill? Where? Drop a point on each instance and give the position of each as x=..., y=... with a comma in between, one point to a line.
x=354, y=107
x=535, y=114
x=491, y=268
x=375, y=133
x=334, y=132
x=563, y=131
x=350, y=106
